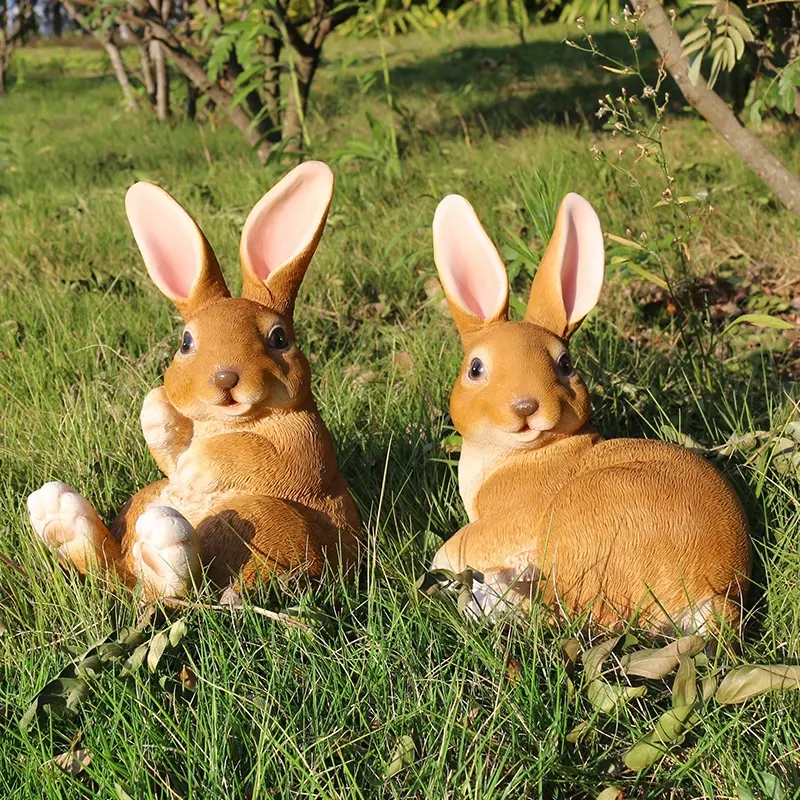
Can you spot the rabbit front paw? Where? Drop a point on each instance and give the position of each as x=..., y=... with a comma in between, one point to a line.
x=167, y=432
x=193, y=472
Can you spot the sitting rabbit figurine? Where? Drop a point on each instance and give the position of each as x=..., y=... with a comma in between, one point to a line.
x=617, y=528
x=252, y=484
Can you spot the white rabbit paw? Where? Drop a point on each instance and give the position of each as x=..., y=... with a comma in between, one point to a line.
x=165, y=429
x=66, y=522
x=165, y=554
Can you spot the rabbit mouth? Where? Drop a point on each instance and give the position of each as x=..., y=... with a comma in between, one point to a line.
x=234, y=409
x=526, y=433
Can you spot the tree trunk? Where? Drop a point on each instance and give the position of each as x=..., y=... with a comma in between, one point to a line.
x=294, y=121
x=58, y=20
x=162, y=80
x=147, y=72
x=3, y=67
x=715, y=110
x=120, y=72
x=272, y=84
x=192, y=95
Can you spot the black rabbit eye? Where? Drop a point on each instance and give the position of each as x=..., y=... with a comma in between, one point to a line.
x=476, y=369
x=277, y=339
x=187, y=345
x=565, y=365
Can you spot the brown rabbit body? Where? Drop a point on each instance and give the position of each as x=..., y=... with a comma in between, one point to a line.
x=616, y=528
x=252, y=483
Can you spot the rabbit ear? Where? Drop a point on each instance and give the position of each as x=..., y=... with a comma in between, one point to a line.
x=569, y=279
x=177, y=255
x=281, y=234
x=473, y=275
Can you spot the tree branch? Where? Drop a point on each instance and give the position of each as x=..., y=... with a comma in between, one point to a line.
x=714, y=109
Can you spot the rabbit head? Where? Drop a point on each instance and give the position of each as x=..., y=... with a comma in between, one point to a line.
x=237, y=358
x=517, y=387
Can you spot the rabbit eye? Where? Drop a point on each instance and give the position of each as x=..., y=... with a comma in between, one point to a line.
x=187, y=345
x=565, y=365
x=277, y=339
x=476, y=369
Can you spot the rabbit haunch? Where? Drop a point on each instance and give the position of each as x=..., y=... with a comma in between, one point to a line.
x=616, y=528
x=252, y=486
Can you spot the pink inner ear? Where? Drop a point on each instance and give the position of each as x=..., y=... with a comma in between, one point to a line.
x=583, y=265
x=284, y=222
x=472, y=272
x=167, y=238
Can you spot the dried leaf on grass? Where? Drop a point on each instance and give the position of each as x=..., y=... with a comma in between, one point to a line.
x=742, y=683
x=669, y=730
x=594, y=658
x=607, y=697
x=659, y=663
x=73, y=762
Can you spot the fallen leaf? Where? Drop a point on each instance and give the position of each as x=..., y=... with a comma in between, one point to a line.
x=659, y=663
x=402, y=362
x=742, y=683
x=158, y=645
x=402, y=757
x=612, y=793
x=177, y=631
x=684, y=688
x=187, y=677
x=594, y=658
x=73, y=762
x=668, y=730
x=578, y=732
x=609, y=696
x=513, y=671
x=571, y=648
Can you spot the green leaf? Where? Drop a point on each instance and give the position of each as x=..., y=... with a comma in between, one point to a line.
x=787, y=96
x=740, y=24
x=578, y=732
x=594, y=657
x=697, y=33
x=668, y=730
x=136, y=659
x=657, y=664
x=759, y=321
x=738, y=42
x=158, y=645
x=121, y=793
x=402, y=756
x=177, y=631
x=684, y=688
x=647, y=275
x=773, y=788
x=609, y=696
x=694, y=69
x=742, y=683
x=611, y=793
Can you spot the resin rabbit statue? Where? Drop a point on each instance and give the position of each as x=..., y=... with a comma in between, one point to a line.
x=252, y=486
x=616, y=528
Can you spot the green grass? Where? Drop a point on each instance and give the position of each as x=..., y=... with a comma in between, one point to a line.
x=285, y=713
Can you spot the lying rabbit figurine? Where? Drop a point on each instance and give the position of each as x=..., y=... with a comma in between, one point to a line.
x=617, y=528
x=252, y=484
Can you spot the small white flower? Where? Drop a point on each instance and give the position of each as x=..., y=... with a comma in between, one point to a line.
x=649, y=91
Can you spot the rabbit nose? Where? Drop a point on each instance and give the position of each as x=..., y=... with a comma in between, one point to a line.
x=225, y=378
x=525, y=407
